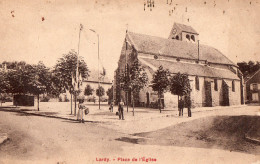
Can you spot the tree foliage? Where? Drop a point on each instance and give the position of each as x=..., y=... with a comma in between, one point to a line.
x=180, y=84
x=160, y=82
x=100, y=91
x=65, y=70
x=88, y=90
x=248, y=68
x=109, y=93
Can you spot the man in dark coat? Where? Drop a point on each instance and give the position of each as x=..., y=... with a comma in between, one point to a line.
x=180, y=106
x=188, y=104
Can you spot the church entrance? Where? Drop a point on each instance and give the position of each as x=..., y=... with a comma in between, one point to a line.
x=225, y=94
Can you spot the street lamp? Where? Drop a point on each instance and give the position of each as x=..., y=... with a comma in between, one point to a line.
x=98, y=68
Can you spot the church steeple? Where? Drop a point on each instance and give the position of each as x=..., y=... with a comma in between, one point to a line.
x=184, y=33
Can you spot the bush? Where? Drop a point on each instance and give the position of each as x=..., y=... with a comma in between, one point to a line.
x=66, y=99
x=60, y=99
x=45, y=99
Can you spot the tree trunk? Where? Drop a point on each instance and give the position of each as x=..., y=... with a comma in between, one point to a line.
x=1, y=98
x=99, y=100
x=127, y=101
x=133, y=102
x=71, y=103
x=159, y=102
x=75, y=110
x=38, y=97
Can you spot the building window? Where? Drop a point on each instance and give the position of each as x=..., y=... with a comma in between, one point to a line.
x=215, y=84
x=254, y=96
x=197, y=83
x=254, y=87
x=233, y=86
x=192, y=38
x=188, y=37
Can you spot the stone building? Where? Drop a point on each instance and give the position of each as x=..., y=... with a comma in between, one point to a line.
x=214, y=79
x=93, y=81
x=253, y=87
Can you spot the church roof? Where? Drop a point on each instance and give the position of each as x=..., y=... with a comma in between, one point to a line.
x=188, y=68
x=184, y=28
x=175, y=48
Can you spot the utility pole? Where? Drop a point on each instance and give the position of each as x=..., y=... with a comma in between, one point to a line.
x=98, y=68
x=198, y=50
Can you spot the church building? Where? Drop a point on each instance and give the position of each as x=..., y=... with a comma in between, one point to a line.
x=214, y=79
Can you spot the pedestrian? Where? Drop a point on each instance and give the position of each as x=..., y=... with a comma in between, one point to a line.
x=81, y=109
x=180, y=106
x=111, y=107
x=94, y=100
x=121, y=110
x=188, y=104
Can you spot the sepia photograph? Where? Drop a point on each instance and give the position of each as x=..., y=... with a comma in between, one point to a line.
x=129, y=81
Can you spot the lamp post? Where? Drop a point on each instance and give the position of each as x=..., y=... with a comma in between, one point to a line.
x=98, y=68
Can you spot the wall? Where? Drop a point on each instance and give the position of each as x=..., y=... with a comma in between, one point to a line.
x=183, y=36
x=197, y=96
x=217, y=95
x=95, y=86
x=234, y=97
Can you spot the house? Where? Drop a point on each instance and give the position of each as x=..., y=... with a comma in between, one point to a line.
x=215, y=80
x=93, y=82
x=253, y=87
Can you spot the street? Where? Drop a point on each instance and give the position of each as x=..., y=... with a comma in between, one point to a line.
x=37, y=139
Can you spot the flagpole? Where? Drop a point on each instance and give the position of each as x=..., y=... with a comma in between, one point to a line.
x=77, y=72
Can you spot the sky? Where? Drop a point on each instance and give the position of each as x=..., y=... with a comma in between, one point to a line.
x=44, y=30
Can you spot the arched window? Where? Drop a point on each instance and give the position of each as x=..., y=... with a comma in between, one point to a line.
x=177, y=37
x=197, y=83
x=192, y=38
x=215, y=84
x=188, y=37
x=233, y=86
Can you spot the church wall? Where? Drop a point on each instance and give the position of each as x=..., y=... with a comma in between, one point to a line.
x=234, y=97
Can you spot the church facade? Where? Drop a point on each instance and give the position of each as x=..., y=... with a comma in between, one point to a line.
x=215, y=80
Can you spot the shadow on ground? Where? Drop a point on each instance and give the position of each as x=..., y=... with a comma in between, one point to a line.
x=219, y=132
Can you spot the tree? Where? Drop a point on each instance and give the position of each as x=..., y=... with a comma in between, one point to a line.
x=138, y=80
x=180, y=85
x=100, y=91
x=41, y=81
x=109, y=93
x=25, y=78
x=160, y=82
x=3, y=84
x=65, y=73
x=248, y=68
x=88, y=90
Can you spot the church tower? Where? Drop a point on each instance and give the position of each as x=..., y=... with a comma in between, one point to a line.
x=183, y=33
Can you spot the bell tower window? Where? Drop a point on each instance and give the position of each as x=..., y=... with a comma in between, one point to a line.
x=188, y=37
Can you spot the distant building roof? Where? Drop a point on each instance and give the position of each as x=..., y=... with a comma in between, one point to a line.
x=93, y=77
x=175, y=48
x=184, y=28
x=248, y=77
x=189, y=68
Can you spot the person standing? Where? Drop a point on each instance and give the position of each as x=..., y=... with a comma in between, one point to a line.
x=121, y=110
x=180, y=106
x=188, y=104
x=111, y=107
x=81, y=108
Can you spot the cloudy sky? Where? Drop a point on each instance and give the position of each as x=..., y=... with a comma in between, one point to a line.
x=43, y=30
